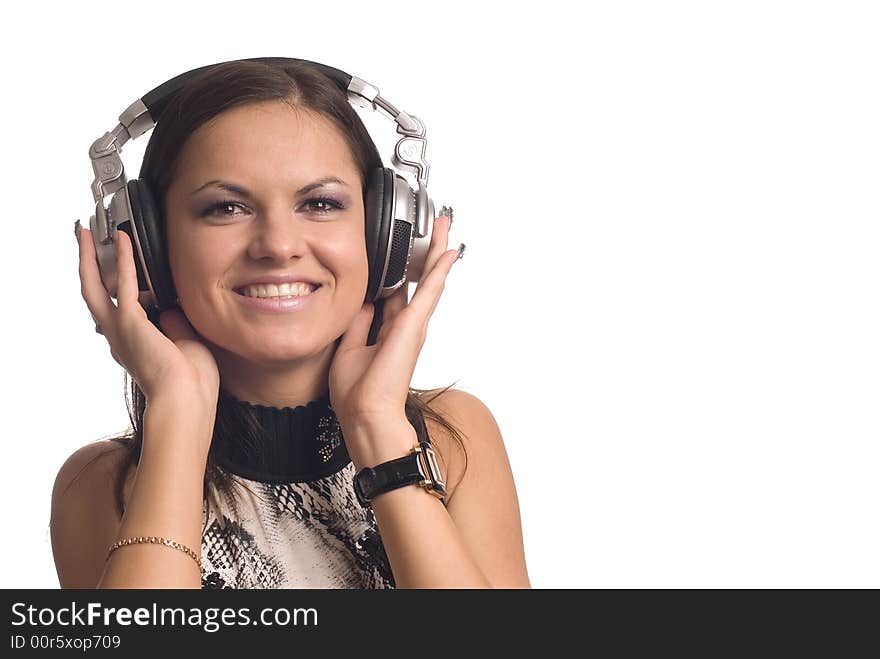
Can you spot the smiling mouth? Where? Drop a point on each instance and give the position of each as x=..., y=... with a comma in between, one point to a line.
x=273, y=292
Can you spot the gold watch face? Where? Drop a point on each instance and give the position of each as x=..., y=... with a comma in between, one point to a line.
x=432, y=467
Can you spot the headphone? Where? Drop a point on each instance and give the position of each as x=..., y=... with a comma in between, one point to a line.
x=398, y=217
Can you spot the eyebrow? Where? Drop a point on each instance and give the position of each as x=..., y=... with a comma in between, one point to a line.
x=237, y=189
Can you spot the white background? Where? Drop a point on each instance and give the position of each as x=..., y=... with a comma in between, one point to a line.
x=669, y=295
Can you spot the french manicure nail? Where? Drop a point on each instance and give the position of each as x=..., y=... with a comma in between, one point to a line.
x=460, y=251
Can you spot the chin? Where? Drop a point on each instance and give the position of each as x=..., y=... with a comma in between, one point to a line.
x=283, y=349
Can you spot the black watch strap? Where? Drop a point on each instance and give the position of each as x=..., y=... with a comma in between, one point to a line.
x=372, y=481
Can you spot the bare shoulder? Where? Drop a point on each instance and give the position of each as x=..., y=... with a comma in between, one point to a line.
x=92, y=456
x=481, y=499
x=470, y=416
x=92, y=467
x=452, y=405
x=84, y=518
x=456, y=404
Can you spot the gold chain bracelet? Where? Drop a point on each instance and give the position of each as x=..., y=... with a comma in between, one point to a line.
x=154, y=540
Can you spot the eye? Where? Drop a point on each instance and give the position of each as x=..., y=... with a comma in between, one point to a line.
x=318, y=206
x=214, y=209
x=328, y=205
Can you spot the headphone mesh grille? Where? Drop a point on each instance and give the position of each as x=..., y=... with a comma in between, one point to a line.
x=400, y=242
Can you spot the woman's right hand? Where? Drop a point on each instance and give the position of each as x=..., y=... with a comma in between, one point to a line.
x=175, y=365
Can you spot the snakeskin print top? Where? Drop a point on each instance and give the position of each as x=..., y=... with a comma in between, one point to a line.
x=295, y=522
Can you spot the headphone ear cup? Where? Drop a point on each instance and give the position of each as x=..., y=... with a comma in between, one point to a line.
x=150, y=230
x=378, y=206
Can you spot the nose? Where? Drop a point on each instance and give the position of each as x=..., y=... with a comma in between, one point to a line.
x=278, y=234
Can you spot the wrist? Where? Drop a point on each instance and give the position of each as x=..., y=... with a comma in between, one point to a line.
x=417, y=466
x=179, y=428
x=189, y=405
x=372, y=444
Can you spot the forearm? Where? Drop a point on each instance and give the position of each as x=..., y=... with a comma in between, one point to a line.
x=422, y=543
x=165, y=501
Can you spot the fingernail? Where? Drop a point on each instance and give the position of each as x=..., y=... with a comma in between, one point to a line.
x=447, y=211
x=460, y=251
x=77, y=227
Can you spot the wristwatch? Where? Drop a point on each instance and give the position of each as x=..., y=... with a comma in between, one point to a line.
x=419, y=466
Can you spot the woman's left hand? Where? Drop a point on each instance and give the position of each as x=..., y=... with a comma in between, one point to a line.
x=369, y=384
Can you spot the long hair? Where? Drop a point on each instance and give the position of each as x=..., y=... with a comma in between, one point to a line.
x=220, y=88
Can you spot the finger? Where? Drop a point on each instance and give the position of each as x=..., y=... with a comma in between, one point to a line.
x=439, y=243
x=127, y=288
x=427, y=295
x=97, y=298
x=176, y=325
x=394, y=304
x=356, y=334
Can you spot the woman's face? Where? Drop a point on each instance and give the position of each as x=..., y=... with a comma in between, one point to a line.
x=219, y=240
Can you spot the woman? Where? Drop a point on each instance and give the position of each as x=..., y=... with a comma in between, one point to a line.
x=249, y=423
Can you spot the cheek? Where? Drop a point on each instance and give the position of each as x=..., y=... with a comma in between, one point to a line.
x=196, y=272
x=345, y=257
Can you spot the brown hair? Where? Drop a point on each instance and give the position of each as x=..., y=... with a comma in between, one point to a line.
x=222, y=87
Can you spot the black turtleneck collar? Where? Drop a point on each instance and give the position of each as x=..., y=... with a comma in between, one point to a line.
x=291, y=444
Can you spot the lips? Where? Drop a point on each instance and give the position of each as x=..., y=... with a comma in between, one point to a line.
x=240, y=290
x=277, y=305
x=278, y=279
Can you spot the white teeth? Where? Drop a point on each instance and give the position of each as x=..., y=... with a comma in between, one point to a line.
x=281, y=290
